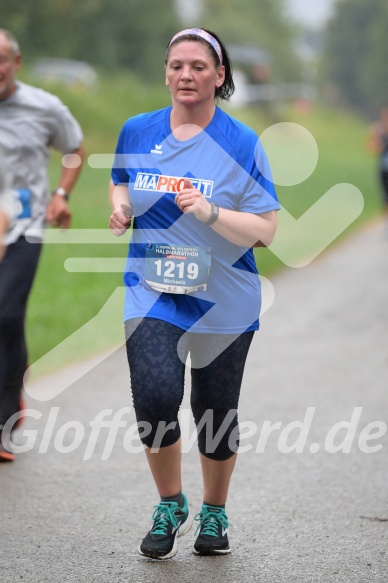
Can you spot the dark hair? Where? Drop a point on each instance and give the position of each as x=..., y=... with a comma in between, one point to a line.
x=226, y=90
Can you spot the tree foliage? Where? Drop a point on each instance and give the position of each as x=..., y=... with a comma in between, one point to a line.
x=133, y=33
x=356, y=52
x=256, y=22
x=112, y=35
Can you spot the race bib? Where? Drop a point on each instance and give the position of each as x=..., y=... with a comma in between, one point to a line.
x=177, y=269
x=23, y=203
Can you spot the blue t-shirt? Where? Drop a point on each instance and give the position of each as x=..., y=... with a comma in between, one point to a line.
x=170, y=250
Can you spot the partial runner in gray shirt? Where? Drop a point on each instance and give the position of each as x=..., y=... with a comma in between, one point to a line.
x=31, y=121
x=7, y=204
x=7, y=198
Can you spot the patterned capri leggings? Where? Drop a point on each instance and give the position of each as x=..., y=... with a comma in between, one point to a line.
x=157, y=353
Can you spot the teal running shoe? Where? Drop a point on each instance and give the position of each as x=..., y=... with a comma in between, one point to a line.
x=169, y=522
x=213, y=532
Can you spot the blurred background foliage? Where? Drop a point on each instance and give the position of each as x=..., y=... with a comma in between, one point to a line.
x=112, y=35
x=348, y=58
x=132, y=33
x=354, y=68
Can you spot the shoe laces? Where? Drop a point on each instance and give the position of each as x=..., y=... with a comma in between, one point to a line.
x=209, y=521
x=163, y=516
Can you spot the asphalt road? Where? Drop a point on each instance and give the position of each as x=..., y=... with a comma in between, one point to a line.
x=309, y=497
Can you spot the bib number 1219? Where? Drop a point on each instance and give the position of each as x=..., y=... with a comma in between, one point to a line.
x=177, y=269
x=180, y=270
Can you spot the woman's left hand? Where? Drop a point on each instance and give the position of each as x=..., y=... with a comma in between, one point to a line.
x=191, y=200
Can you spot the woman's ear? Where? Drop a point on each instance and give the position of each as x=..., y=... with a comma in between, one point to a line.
x=220, y=76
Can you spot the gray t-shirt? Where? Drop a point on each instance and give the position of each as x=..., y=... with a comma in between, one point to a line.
x=32, y=121
x=7, y=199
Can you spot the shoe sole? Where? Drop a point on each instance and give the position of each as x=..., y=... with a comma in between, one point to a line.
x=183, y=529
x=169, y=555
x=6, y=453
x=208, y=553
x=6, y=456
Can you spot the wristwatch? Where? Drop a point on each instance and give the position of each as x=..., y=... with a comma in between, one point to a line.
x=62, y=192
x=215, y=209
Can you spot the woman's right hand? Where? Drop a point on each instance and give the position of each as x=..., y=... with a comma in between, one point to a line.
x=119, y=222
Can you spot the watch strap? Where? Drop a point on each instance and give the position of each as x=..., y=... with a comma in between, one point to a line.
x=215, y=209
x=61, y=192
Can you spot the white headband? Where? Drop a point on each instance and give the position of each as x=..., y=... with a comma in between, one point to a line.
x=203, y=34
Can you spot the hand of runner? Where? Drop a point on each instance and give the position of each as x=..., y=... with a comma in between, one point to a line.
x=191, y=200
x=119, y=221
x=58, y=213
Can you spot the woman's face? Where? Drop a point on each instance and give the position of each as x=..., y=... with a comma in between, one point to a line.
x=191, y=74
